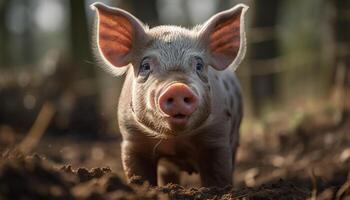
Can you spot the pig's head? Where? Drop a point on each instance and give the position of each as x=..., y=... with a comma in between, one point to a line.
x=171, y=92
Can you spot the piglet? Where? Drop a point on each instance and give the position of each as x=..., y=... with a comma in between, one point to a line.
x=181, y=101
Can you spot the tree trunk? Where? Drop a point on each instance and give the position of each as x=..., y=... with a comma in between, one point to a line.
x=341, y=57
x=146, y=11
x=4, y=50
x=263, y=53
x=80, y=38
x=27, y=37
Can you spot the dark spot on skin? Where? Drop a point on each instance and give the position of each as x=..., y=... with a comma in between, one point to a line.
x=225, y=84
x=228, y=113
x=238, y=94
x=232, y=82
x=132, y=108
x=216, y=77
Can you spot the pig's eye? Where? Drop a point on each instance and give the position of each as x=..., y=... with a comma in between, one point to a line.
x=199, y=64
x=145, y=67
x=199, y=67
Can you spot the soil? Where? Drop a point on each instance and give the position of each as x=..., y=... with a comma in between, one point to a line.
x=309, y=162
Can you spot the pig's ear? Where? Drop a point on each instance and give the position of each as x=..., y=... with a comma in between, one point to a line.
x=118, y=35
x=224, y=37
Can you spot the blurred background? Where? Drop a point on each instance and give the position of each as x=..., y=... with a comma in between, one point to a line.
x=298, y=56
x=298, y=62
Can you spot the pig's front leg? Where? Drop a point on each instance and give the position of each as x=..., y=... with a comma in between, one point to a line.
x=138, y=164
x=215, y=166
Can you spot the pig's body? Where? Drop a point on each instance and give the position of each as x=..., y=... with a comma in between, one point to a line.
x=213, y=143
x=180, y=100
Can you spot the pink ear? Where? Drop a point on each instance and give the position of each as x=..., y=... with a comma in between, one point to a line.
x=224, y=36
x=117, y=34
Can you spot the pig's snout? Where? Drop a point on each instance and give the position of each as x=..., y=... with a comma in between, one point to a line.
x=179, y=102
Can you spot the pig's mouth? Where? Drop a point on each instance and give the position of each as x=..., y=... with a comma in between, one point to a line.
x=179, y=116
x=178, y=121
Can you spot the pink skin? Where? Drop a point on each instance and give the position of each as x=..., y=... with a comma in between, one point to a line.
x=178, y=102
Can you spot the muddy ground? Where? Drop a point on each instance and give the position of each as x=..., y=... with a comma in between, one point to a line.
x=306, y=162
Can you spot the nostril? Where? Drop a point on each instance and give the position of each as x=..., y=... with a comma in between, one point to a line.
x=187, y=100
x=170, y=100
